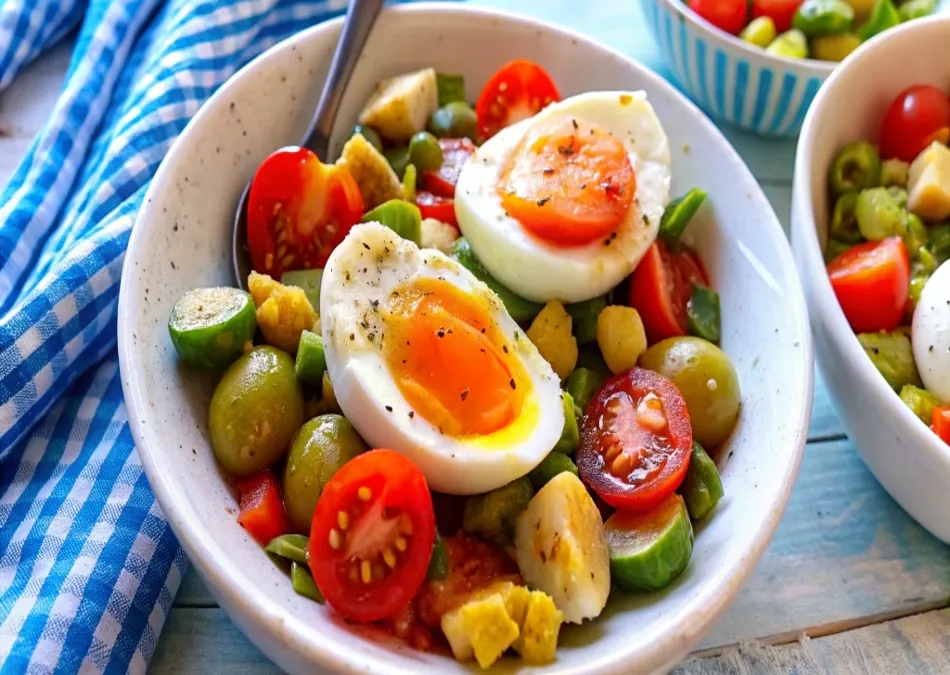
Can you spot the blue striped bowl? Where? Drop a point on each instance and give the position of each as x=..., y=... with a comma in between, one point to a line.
x=731, y=80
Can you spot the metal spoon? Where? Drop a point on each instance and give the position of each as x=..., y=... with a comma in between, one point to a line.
x=360, y=17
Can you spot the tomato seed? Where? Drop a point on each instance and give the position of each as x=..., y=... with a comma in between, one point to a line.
x=343, y=519
x=401, y=544
x=287, y=260
x=389, y=558
x=366, y=573
x=405, y=525
x=611, y=454
x=621, y=466
x=281, y=251
x=503, y=86
x=268, y=261
x=335, y=540
x=365, y=493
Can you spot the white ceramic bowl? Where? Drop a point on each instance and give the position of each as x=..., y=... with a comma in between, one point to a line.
x=911, y=463
x=186, y=220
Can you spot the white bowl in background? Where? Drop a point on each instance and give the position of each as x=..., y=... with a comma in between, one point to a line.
x=186, y=220
x=910, y=461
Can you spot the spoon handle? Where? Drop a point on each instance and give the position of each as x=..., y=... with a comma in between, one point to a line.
x=360, y=17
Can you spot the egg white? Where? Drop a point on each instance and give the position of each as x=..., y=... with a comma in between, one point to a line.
x=357, y=282
x=539, y=271
x=930, y=335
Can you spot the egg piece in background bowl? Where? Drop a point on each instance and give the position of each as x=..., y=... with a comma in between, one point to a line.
x=425, y=360
x=562, y=206
x=931, y=333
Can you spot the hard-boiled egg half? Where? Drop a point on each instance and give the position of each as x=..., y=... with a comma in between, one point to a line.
x=424, y=360
x=562, y=206
x=931, y=333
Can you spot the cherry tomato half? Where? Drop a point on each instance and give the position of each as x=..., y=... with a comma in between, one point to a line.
x=727, y=15
x=940, y=423
x=262, y=510
x=299, y=210
x=433, y=206
x=519, y=90
x=871, y=281
x=780, y=11
x=636, y=440
x=661, y=286
x=372, y=536
x=917, y=117
x=455, y=152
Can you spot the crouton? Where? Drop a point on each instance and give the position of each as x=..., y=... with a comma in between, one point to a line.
x=376, y=179
x=401, y=106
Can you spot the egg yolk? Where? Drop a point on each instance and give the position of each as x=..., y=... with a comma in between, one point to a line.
x=450, y=361
x=569, y=182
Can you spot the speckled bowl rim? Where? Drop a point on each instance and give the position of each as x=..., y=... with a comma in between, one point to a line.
x=716, y=595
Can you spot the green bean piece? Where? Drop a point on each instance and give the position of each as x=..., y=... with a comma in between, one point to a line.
x=407, y=191
x=454, y=120
x=290, y=546
x=399, y=216
x=816, y=18
x=398, y=159
x=760, y=31
x=925, y=263
x=679, y=212
x=425, y=152
x=570, y=435
x=917, y=9
x=899, y=194
x=582, y=384
x=920, y=401
x=451, y=88
x=370, y=134
x=549, y=467
x=791, y=44
x=856, y=167
x=702, y=487
x=439, y=562
x=916, y=287
x=303, y=584
x=311, y=361
x=884, y=15
x=915, y=235
x=893, y=356
x=844, y=226
x=584, y=318
x=702, y=314
x=834, y=249
x=894, y=172
x=939, y=243
x=879, y=215
x=309, y=280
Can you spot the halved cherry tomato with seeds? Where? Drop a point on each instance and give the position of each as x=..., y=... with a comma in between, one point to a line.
x=661, y=286
x=455, y=152
x=871, y=281
x=299, y=210
x=372, y=536
x=262, y=510
x=433, y=206
x=519, y=90
x=636, y=440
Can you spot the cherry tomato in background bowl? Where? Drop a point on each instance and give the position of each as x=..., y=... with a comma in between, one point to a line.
x=727, y=15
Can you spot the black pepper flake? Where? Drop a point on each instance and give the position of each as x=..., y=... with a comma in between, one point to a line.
x=365, y=245
x=567, y=150
x=511, y=382
x=389, y=408
x=465, y=394
x=574, y=122
x=411, y=414
x=607, y=242
x=347, y=276
x=547, y=170
x=504, y=348
x=543, y=201
x=544, y=557
x=646, y=221
x=352, y=336
x=374, y=303
x=583, y=186
x=613, y=235
x=371, y=336
x=482, y=350
x=876, y=350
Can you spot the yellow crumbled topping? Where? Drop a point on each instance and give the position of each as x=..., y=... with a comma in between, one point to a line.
x=377, y=181
x=283, y=312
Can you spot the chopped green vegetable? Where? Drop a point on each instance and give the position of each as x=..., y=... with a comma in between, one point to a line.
x=815, y=18
x=425, y=152
x=451, y=88
x=917, y=283
x=439, y=562
x=884, y=15
x=290, y=546
x=590, y=357
x=834, y=249
x=210, y=326
x=521, y=310
x=584, y=317
x=899, y=194
x=879, y=214
x=856, y=167
x=401, y=217
x=920, y=401
x=398, y=159
x=893, y=356
x=894, y=171
x=702, y=487
x=679, y=212
x=303, y=584
x=939, y=243
x=308, y=280
x=844, y=225
x=792, y=44
x=702, y=314
x=492, y=515
x=570, y=436
x=916, y=9
x=760, y=31
x=549, y=467
x=915, y=235
x=370, y=134
x=311, y=361
x=454, y=120
x=582, y=384
x=649, y=550
x=408, y=189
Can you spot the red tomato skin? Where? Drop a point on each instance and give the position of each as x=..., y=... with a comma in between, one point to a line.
x=871, y=282
x=401, y=484
x=262, y=511
x=727, y=15
x=660, y=289
x=516, y=91
x=780, y=11
x=917, y=116
x=940, y=423
x=590, y=463
x=455, y=152
x=440, y=208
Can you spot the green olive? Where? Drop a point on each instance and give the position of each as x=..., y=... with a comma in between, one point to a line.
x=322, y=446
x=856, y=167
x=454, y=120
x=425, y=152
x=706, y=378
x=255, y=411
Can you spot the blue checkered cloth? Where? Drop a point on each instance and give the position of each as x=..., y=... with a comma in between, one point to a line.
x=88, y=564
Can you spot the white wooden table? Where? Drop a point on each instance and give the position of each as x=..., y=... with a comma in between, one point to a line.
x=850, y=584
